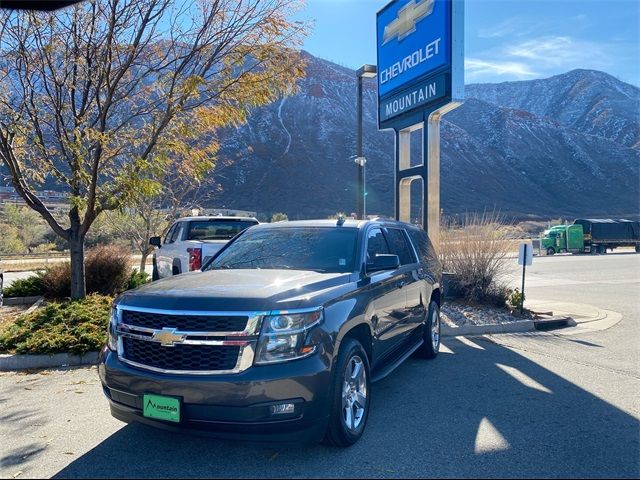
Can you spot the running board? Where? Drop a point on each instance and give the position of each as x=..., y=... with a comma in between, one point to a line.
x=387, y=369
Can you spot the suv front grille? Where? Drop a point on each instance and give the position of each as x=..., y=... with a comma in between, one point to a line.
x=195, y=358
x=185, y=323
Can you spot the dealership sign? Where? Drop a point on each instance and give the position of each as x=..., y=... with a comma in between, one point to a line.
x=416, y=57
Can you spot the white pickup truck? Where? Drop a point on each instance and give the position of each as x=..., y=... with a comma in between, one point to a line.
x=191, y=241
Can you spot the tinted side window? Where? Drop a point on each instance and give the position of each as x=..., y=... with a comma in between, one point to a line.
x=425, y=249
x=167, y=238
x=419, y=240
x=176, y=232
x=399, y=246
x=376, y=243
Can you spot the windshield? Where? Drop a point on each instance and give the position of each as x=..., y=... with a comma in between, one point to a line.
x=298, y=248
x=217, y=229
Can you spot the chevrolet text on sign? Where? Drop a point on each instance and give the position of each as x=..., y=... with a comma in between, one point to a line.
x=413, y=40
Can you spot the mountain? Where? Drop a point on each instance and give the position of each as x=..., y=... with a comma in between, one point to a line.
x=587, y=100
x=563, y=146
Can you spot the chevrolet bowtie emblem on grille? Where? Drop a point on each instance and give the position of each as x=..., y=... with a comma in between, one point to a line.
x=405, y=24
x=167, y=337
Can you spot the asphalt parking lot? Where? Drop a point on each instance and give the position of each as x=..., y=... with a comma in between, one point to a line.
x=517, y=405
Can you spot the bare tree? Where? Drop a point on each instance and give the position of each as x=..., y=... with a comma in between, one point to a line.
x=97, y=99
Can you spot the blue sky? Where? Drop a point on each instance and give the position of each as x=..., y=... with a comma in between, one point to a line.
x=504, y=39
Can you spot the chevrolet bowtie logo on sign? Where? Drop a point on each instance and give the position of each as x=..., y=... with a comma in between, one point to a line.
x=405, y=23
x=168, y=337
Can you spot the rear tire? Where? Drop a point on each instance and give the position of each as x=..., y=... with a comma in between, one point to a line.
x=350, y=395
x=637, y=248
x=155, y=275
x=551, y=251
x=431, y=334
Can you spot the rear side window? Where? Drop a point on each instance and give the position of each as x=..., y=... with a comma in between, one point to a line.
x=376, y=244
x=217, y=229
x=177, y=230
x=421, y=244
x=167, y=238
x=399, y=246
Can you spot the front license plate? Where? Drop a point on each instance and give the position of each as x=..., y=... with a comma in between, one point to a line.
x=161, y=407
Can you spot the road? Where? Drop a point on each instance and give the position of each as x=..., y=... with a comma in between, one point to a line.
x=10, y=277
x=519, y=405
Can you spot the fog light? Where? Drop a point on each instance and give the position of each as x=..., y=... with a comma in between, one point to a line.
x=282, y=408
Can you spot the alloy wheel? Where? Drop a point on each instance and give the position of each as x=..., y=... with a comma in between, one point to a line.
x=435, y=330
x=354, y=393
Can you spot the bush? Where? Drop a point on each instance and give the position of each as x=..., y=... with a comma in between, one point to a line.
x=76, y=327
x=44, y=248
x=475, y=250
x=515, y=299
x=279, y=217
x=137, y=279
x=27, y=287
x=57, y=281
x=107, y=271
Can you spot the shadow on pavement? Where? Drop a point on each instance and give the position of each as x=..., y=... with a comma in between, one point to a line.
x=483, y=411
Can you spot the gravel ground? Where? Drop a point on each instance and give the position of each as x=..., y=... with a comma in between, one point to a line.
x=455, y=313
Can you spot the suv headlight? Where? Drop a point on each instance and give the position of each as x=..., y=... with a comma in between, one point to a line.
x=286, y=336
x=112, y=336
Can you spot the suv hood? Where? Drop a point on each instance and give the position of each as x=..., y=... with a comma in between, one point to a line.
x=238, y=290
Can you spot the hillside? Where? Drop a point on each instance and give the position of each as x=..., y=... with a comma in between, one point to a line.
x=561, y=146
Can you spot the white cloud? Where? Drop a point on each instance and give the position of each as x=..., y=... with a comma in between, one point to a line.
x=543, y=56
x=515, y=26
x=476, y=69
x=554, y=51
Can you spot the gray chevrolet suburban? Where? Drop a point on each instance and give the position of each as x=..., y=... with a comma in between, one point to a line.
x=281, y=334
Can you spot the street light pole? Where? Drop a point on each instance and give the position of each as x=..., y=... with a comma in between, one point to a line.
x=366, y=71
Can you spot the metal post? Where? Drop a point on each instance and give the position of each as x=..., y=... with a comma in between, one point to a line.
x=360, y=202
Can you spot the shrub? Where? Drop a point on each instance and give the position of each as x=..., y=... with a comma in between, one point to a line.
x=279, y=217
x=137, y=279
x=26, y=287
x=514, y=299
x=44, y=248
x=107, y=271
x=73, y=326
x=475, y=250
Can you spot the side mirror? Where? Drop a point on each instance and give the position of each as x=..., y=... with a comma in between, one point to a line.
x=383, y=262
x=155, y=242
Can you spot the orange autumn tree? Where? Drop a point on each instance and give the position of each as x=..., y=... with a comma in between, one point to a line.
x=103, y=99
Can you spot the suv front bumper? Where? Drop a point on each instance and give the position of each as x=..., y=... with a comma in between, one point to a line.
x=231, y=405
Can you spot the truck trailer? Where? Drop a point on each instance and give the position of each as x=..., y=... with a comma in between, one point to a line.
x=591, y=235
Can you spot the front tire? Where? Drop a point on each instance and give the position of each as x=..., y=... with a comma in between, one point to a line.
x=551, y=251
x=350, y=395
x=431, y=335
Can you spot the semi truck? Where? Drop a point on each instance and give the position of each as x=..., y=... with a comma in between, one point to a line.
x=591, y=235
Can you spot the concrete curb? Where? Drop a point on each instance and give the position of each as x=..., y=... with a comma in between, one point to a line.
x=12, y=301
x=512, y=327
x=24, y=362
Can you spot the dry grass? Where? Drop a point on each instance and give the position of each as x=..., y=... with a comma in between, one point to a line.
x=475, y=248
